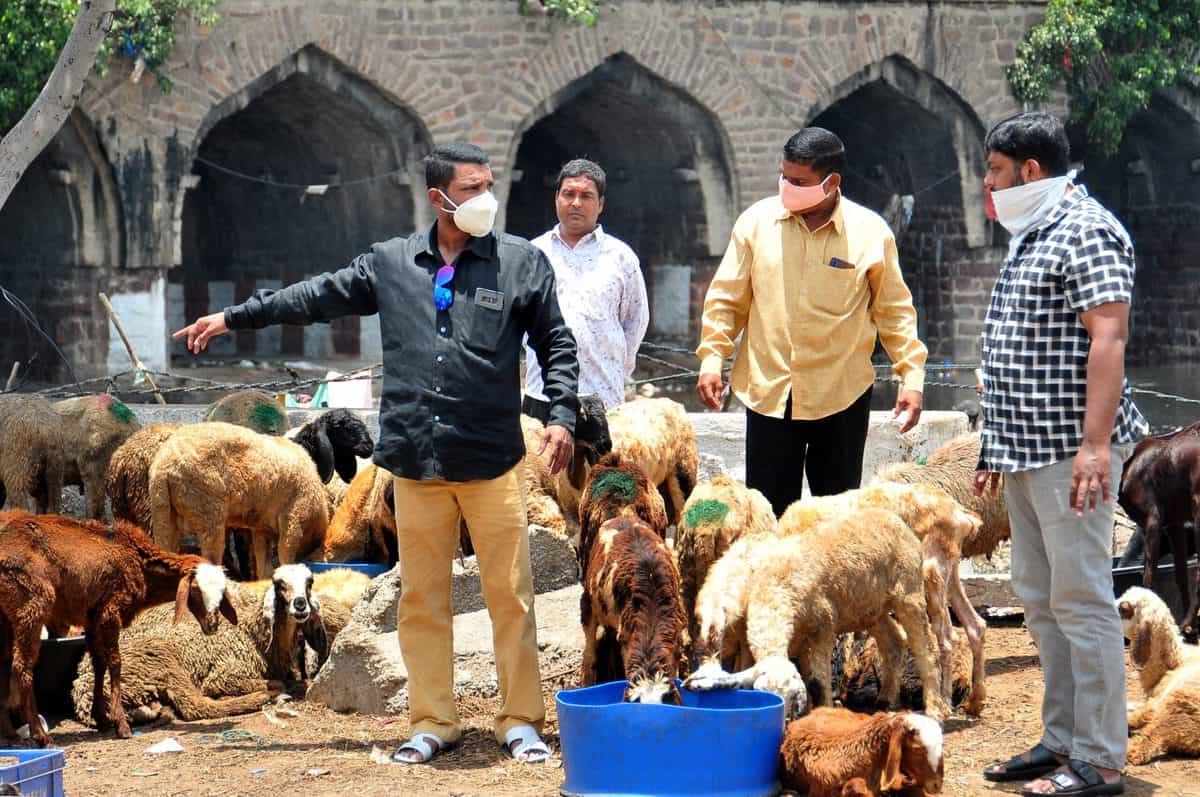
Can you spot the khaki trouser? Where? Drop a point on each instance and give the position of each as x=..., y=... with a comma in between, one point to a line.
x=427, y=534
x=1062, y=572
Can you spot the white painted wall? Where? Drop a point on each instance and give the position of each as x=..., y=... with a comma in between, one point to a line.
x=144, y=316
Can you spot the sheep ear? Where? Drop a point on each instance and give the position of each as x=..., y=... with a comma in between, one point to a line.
x=325, y=460
x=268, y=605
x=315, y=634
x=345, y=463
x=1125, y=609
x=181, y=597
x=1139, y=651
x=892, y=778
x=227, y=609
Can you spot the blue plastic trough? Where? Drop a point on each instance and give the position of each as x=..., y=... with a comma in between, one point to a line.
x=372, y=570
x=719, y=744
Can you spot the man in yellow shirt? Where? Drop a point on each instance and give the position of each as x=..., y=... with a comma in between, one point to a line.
x=811, y=279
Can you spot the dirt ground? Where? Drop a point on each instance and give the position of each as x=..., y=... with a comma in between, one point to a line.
x=324, y=753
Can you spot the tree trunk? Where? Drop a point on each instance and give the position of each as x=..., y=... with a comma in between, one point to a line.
x=59, y=96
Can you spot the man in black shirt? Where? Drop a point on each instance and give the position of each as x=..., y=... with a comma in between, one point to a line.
x=454, y=303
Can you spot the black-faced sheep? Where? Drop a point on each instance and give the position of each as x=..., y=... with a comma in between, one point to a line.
x=171, y=670
x=830, y=748
x=254, y=409
x=631, y=592
x=33, y=455
x=94, y=427
x=795, y=594
x=1168, y=723
x=656, y=435
x=57, y=571
x=211, y=476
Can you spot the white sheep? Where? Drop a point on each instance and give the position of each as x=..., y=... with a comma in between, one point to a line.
x=656, y=435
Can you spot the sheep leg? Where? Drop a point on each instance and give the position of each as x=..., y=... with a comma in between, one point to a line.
x=26, y=647
x=975, y=627
x=93, y=491
x=99, y=717
x=937, y=607
x=263, y=568
x=888, y=641
x=192, y=704
x=1139, y=716
x=1145, y=746
x=1153, y=533
x=587, y=670
x=1188, y=596
x=820, y=655
x=915, y=621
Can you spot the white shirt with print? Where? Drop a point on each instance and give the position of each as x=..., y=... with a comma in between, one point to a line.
x=602, y=295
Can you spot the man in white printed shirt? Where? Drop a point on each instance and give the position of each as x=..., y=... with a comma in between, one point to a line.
x=600, y=290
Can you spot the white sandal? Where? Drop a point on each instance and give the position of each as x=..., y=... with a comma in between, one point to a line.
x=420, y=744
x=531, y=750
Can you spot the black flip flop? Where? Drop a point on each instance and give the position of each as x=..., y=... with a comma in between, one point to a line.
x=1083, y=780
x=1041, y=761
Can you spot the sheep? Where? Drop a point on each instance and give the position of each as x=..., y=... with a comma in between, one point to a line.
x=128, y=480
x=93, y=427
x=336, y=440
x=209, y=476
x=942, y=525
x=253, y=409
x=716, y=514
x=656, y=435
x=60, y=571
x=174, y=671
x=1168, y=723
x=363, y=527
x=859, y=663
x=33, y=459
x=797, y=593
x=631, y=591
x=616, y=486
x=1159, y=485
x=831, y=748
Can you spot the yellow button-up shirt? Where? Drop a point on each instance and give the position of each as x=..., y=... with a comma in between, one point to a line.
x=810, y=328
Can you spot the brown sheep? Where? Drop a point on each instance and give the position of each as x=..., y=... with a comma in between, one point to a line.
x=60, y=571
x=363, y=526
x=33, y=459
x=656, y=435
x=952, y=468
x=94, y=427
x=211, y=476
x=253, y=409
x=128, y=482
x=615, y=486
x=795, y=594
x=631, y=592
x=1168, y=723
x=717, y=513
x=831, y=748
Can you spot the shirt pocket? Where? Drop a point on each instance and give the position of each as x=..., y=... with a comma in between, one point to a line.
x=833, y=290
x=486, y=325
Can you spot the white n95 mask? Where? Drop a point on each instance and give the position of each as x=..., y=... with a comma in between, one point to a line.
x=475, y=216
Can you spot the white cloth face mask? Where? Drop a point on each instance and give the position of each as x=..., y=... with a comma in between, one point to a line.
x=1023, y=207
x=475, y=216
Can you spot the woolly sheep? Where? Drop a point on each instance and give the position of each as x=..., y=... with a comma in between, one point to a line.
x=210, y=476
x=33, y=454
x=656, y=435
x=1168, y=723
x=253, y=409
x=360, y=526
x=94, y=427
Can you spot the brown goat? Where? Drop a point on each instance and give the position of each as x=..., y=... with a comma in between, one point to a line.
x=60, y=571
x=830, y=748
x=615, y=486
x=631, y=591
x=1160, y=491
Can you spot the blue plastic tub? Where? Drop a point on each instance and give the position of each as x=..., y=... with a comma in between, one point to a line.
x=719, y=744
x=37, y=773
x=372, y=570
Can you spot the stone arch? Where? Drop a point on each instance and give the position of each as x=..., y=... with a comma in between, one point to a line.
x=671, y=184
x=1152, y=184
x=309, y=120
x=61, y=242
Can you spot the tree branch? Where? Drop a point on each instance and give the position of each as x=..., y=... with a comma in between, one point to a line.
x=59, y=96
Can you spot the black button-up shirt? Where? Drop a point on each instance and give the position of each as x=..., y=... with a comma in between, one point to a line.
x=451, y=398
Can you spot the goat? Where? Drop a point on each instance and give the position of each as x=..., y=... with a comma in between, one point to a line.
x=631, y=591
x=795, y=594
x=60, y=571
x=1160, y=491
x=1168, y=723
x=831, y=748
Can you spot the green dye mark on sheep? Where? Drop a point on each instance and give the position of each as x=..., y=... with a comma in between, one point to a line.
x=613, y=482
x=267, y=419
x=707, y=512
x=923, y=460
x=120, y=411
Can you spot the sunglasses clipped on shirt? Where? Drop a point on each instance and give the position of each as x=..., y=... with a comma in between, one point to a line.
x=443, y=297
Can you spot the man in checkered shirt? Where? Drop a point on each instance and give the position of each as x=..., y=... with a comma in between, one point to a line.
x=1058, y=421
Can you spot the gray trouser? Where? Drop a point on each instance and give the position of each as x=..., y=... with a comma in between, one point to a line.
x=1062, y=572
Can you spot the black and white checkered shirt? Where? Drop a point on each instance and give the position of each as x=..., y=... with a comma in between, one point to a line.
x=1034, y=346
